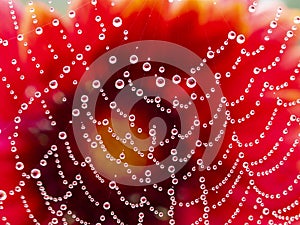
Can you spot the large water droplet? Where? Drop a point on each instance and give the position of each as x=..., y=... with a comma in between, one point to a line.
x=117, y=22
x=35, y=173
x=3, y=195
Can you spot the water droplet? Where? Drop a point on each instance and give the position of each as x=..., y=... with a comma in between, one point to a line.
x=53, y=84
x=20, y=37
x=66, y=69
x=76, y=112
x=133, y=59
x=160, y=82
x=191, y=82
x=113, y=105
x=119, y=84
x=39, y=30
x=55, y=22
x=231, y=35
x=72, y=14
x=161, y=69
x=112, y=185
x=3, y=195
x=176, y=79
x=62, y=135
x=266, y=211
x=96, y=84
x=35, y=173
x=273, y=24
x=240, y=39
x=152, y=132
x=290, y=34
x=210, y=54
x=84, y=98
x=297, y=20
x=146, y=66
x=252, y=8
x=122, y=155
x=117, y=22
x=19, y=166
x=112, y=59
x=106, y=205
x=101, y=37
x=98, y=18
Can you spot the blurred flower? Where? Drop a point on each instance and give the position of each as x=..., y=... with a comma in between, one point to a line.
x=251, y=48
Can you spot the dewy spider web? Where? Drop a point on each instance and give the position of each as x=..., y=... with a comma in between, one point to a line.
x=98, y=141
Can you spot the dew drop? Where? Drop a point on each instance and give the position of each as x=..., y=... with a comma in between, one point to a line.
x=273, y=24
x=112, y=185
x=133, y=59
x=117, y=22
x=160, y=82
x=266, y=211
x=39, y=30
x=119, y=84
x=96, y=84
x=176, y=79
x=62, y=135
x=240, y=39
x=112, y=59
x=19, y=166
x=84, y=98
x=106, y=205
x=297, y=20
x=35, y=173
x=55, y=22
x=101, y=37
x=191, y=82
x=210, y=54
x=20, y=37
x=72, y=14
x=146, y=66
x=252, y=8
x=53, y=84
x=231, y=35
x=66, y=69
x=289, y=34
x=3, y=195
x=76, y=112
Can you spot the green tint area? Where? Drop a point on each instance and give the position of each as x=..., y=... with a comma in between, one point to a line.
x=59, y=5
x=293, y=3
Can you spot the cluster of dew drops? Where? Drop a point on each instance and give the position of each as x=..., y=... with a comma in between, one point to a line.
x=144, y=202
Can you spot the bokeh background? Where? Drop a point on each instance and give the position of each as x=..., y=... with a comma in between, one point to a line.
x=61, y=5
